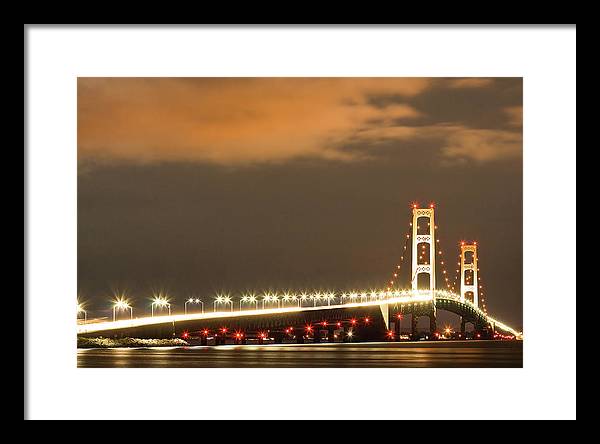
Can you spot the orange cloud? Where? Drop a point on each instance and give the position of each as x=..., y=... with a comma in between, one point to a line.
x=481, y=145
x=470, y=82
x=515, y=115
x=239, y=121
x=231, y=120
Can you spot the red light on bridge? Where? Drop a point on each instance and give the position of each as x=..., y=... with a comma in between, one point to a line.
x=185, y=335
x=324, y=323
x=224, y=330
x=367, y=320
x=390, y=333
x=399, y=316
x=431, y=205
x=205, y=332
x=353, y=321
x=308, y=328
x=339, y=324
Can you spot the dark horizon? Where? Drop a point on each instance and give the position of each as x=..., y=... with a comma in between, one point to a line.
x=273, y=193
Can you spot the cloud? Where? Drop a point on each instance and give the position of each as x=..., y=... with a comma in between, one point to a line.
x=470, y=82
x=481, y=145
x=515, y=115
x=231, y=121
x=242, y=121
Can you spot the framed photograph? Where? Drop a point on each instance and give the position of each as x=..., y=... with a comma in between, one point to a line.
x=258, y=214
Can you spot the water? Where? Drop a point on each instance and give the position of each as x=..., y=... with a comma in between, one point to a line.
x=380, y=354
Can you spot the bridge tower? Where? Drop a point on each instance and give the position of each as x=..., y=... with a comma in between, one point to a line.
x=423, y=261
x=420, y=263
x=465, y=266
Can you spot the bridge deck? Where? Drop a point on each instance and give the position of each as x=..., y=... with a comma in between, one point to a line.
x=246, y=317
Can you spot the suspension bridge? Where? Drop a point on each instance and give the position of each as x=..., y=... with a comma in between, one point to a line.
x=333, y=316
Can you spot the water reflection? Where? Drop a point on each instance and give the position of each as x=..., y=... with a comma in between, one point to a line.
x=419, y=354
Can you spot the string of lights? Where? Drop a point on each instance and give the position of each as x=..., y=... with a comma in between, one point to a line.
x=440, y=254
x=456, y=282
x=480, y=287
x=396, y=273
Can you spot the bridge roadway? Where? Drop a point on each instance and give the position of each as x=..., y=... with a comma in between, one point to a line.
x=378, y=311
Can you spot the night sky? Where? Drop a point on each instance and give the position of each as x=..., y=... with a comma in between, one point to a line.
x=198, y=185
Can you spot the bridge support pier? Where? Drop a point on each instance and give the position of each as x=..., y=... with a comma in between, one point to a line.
x=397, y=330
x=413, y=326
x=432, y=324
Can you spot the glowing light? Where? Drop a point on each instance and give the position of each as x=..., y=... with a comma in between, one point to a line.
x=121, y=304
x=404, y=296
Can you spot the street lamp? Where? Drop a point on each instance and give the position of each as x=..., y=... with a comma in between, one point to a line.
x=303, y=298
x=121, y=304
x=80, y=309
x=222, y=300
x=160, y=301
x=330, y=297
x=193, y=301
x=270, y=298
x=249, y=299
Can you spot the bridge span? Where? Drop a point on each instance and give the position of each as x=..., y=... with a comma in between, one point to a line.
x=374, y=316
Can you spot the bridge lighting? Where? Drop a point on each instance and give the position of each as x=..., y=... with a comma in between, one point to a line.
x=121, y=304
x=286, y=297
x=330, y=297
x=249, y=299
x=339, y=324
x=353, y=321
x=270, y=298
x=367, y=320
x=303, y=298
x=185, y=335
x=349, y=333
x=81, y=309
x=222, y=300
x=160, y=301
